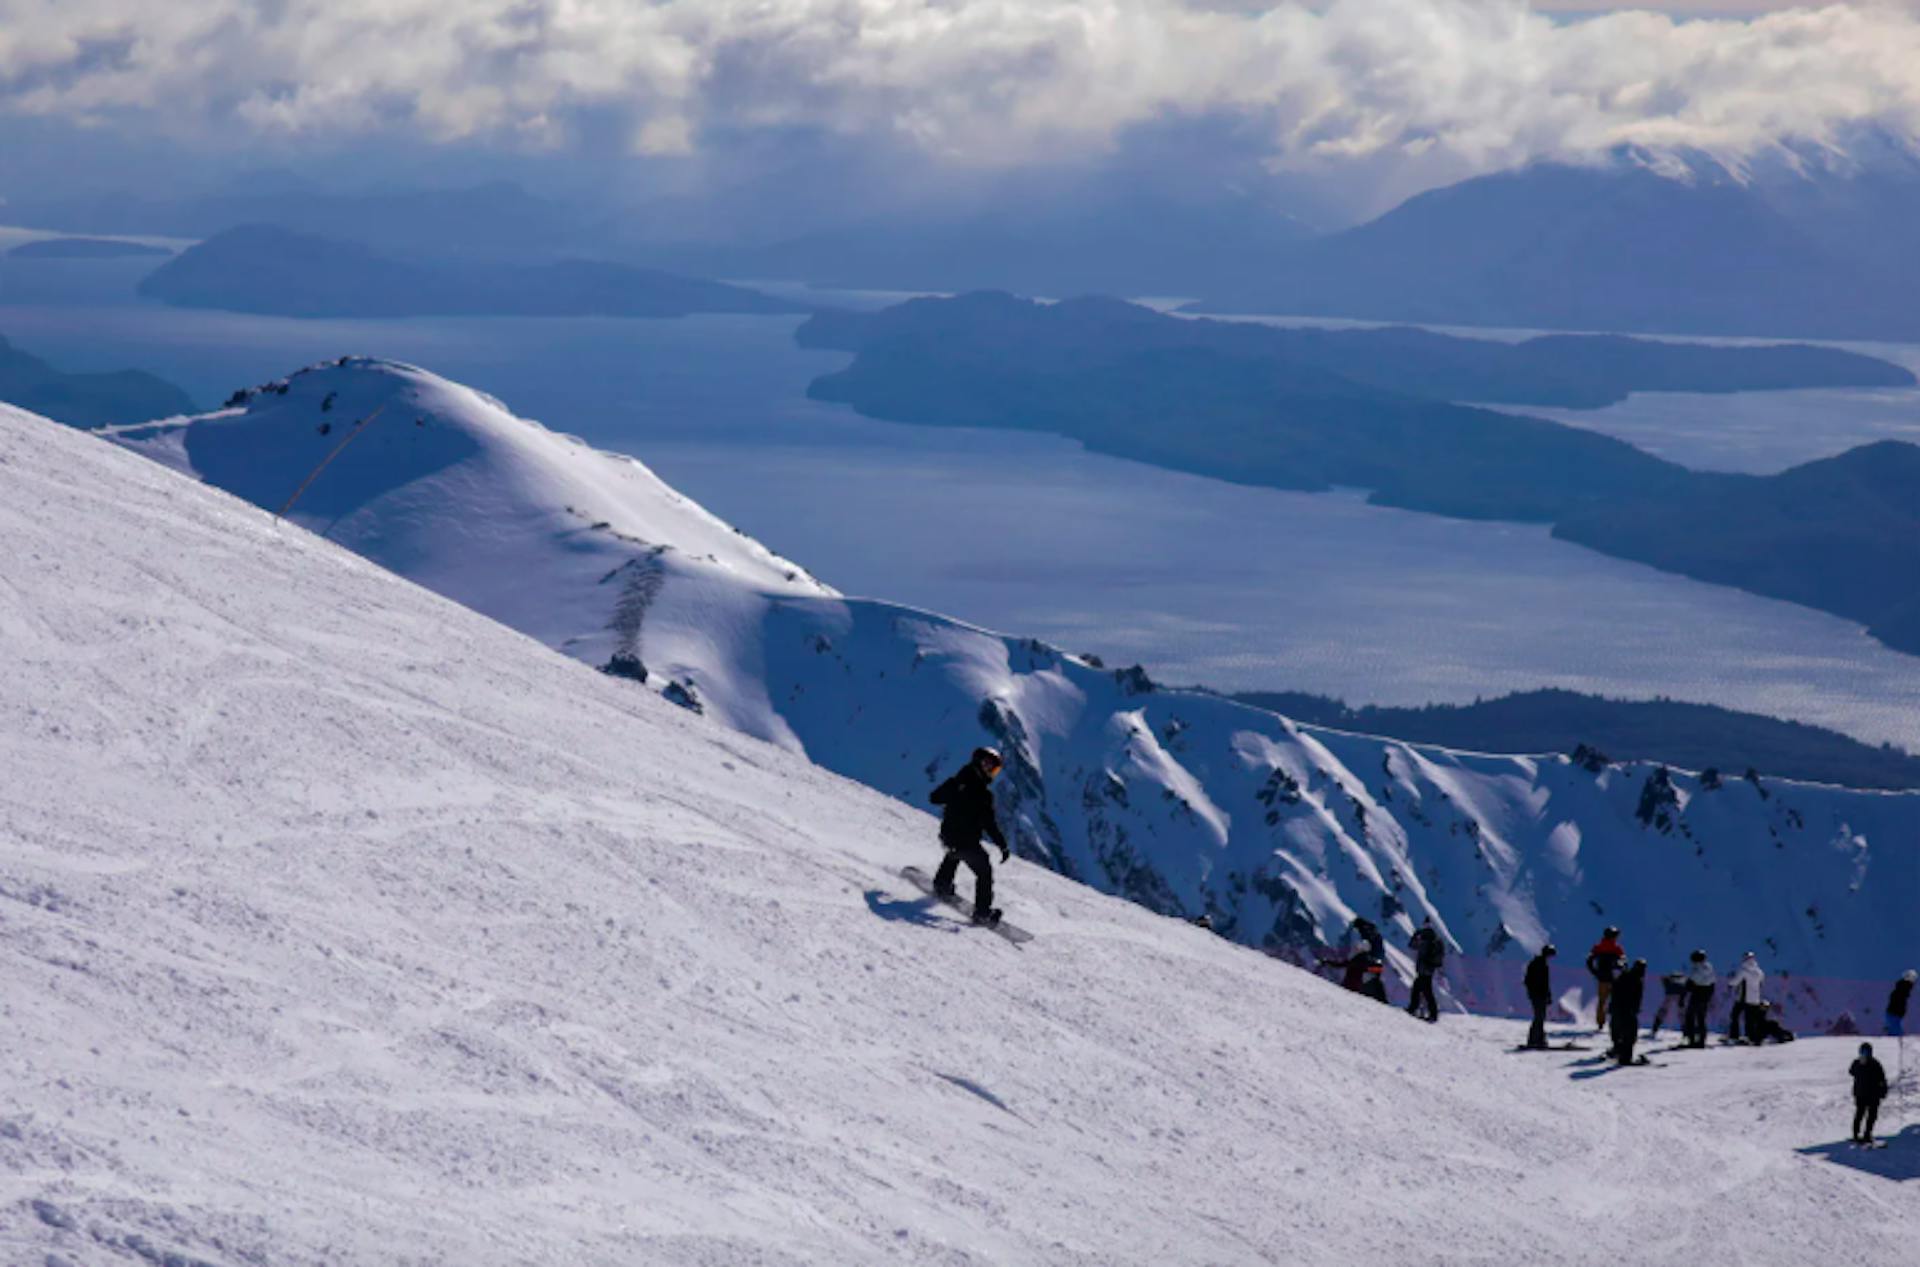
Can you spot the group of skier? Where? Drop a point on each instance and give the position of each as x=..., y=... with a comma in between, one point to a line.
x=968, y=816
x=1620, y=991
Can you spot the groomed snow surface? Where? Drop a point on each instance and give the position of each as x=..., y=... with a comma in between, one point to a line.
x=1184, y=801
x=343, y=925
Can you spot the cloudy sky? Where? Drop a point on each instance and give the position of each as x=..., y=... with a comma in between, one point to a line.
x=1458, y=84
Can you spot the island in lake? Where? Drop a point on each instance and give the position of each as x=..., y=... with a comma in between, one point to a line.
x=279, y=272
x=85, y=249
x=1314, y=409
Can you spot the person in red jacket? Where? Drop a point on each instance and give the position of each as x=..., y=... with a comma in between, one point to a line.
x=1604, y=961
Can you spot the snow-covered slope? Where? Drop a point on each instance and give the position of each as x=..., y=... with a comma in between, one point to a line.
x=342, y=925
x=1182, y=801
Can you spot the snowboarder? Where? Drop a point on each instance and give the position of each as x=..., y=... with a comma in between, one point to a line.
x=1869, y=1088
x=1745, y=985
x=1604, y=962
x=1539, y=983
x=1897, y=1003
x=1701, y=979
x=968, y=814
x=1624, y=1012
x=1673, y=997
x=1429, y=953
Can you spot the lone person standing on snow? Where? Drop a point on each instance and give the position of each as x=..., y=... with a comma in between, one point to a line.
x=1897, y=1003
x=1700, y=982
x=1628, y=990
x=1869, y=1088
x=968, y=815
x=1747, y=1012
x=1429, y=952
x=1540, y=995
x=1604, y=961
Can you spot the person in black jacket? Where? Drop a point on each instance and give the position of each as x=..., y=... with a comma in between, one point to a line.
x=1897, y=1003
x=1429, y=952
x=967, y=815
x=1869, y=1088
x=1623, y=1010
x=1540, y=994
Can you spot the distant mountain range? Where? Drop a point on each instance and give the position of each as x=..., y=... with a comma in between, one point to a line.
x=1658, y=243
x=1796, y=241
x=1674, y=732
x=488, y=220
x=86, y=400
x=1315, y=409
x=1187, y=802
x=268, y=269
x=1147, y=243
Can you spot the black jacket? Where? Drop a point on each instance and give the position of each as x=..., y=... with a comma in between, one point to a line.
x=1897, y=1001
x=1869, y=1080
x=1628, y=990
x=1539, y=978
x=968, y=798
x=1429, y=952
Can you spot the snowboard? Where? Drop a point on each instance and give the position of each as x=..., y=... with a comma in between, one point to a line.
x=1553, y=1047
x=924, y=882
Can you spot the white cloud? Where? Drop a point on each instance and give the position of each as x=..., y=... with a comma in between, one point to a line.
x=1485, y=82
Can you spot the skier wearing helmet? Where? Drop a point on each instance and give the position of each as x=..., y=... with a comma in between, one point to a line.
x=1539, y=983
x=1604, y=961
x=1701, y=980
x=1746, y=984
x=968, y=814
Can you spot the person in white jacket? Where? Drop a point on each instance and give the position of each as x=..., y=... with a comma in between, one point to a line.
x=1745, y=984
x=1701, y=979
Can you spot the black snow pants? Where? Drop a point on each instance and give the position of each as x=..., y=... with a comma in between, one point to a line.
x=1865, y=1114
x=1423, y=994
x=1537, y=1036
x=1625, y=1031
x=975, y=856
x=1693, y=1027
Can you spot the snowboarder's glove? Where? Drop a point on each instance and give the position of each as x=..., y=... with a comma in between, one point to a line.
x=1005, y=853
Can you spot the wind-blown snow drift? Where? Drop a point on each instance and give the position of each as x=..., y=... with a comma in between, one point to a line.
x=340, y=924
x=1179, y=800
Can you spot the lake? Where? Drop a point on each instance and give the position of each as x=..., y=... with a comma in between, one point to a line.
x=1202, y=581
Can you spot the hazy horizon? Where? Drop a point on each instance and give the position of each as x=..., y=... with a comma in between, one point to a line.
x=1329, y=112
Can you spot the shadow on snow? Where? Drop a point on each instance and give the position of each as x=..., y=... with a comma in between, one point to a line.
x=920, y=911
x=1899, y=1160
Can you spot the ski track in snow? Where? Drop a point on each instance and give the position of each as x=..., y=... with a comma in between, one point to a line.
x=342, y=925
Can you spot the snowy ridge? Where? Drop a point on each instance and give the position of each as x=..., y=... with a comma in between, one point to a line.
x=1184, y=802
x=342, y=925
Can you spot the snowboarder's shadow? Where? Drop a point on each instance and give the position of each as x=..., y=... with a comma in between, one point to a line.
x=921, y=911
x=1592, y=1067
x=1898, y=1160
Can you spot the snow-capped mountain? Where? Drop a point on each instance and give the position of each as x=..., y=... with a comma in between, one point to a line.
x=339, y=924
x=1794, y=241
x=1182, y=801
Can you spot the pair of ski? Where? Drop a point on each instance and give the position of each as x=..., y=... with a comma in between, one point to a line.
x=922, y=881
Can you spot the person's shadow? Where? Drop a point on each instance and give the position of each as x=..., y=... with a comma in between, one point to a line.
x=919, y=911
x=1898, y=1161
